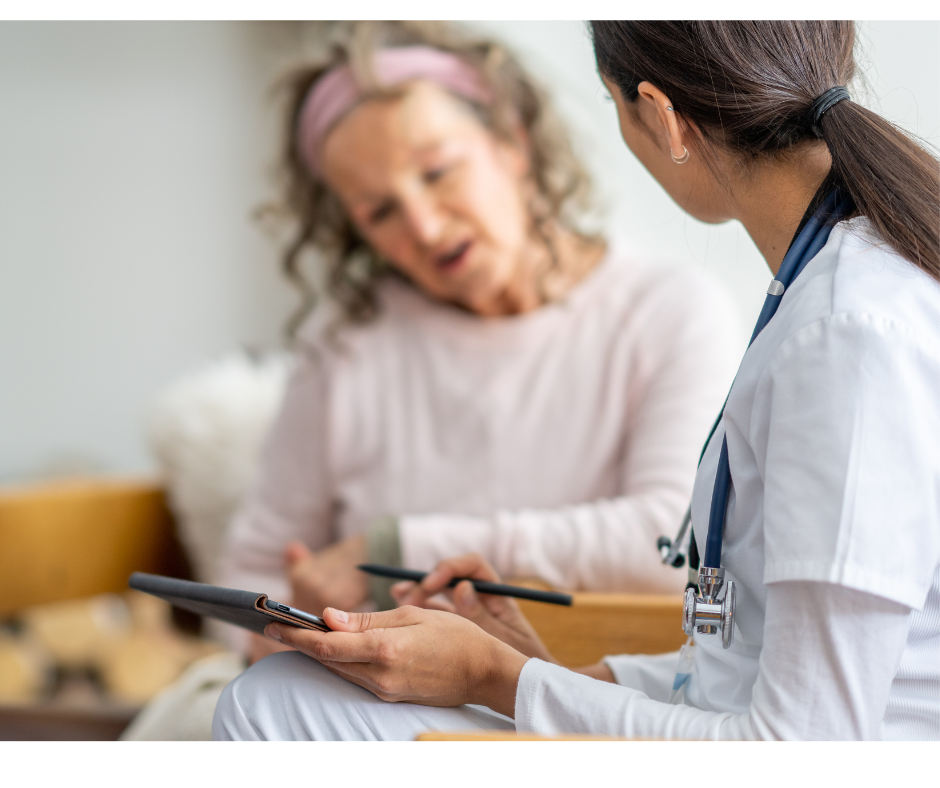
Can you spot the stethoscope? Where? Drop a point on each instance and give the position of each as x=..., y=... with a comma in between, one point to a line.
x=714, y=611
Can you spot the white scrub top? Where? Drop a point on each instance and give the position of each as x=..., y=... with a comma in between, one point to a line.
x=832, y=534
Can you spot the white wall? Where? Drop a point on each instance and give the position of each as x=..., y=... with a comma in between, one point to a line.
x=132, y=155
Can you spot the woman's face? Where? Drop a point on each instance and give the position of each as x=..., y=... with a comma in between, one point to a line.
x=692, y=184
x=434, y=193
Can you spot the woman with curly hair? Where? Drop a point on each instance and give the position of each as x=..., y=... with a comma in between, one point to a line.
x=483, y=375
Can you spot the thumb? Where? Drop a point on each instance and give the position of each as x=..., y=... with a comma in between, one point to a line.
x=400, y=590
x=294, y=552
x=467, y=601
x=341, y=621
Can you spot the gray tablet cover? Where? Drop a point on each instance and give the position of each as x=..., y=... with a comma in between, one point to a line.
x=242, y=608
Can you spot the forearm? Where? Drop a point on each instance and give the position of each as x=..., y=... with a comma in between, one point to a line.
x=831, y=682
x=600, y=671
x=607, y=545
x=497, y=684
x=253, y=557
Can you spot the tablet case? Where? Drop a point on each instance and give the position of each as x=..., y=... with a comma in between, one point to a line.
x=242, y=608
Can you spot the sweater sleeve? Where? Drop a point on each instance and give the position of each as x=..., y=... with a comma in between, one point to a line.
x=826, y=667
x=291, y=498
x=687, y=360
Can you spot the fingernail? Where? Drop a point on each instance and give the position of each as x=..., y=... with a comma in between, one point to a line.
x=339, y=615
x=273, y=631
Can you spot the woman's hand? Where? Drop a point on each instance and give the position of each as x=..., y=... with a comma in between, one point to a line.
x=327, y=577
x=498, y=615
x=409, y=654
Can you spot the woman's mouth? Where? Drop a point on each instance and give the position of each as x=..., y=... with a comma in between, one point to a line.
x=452, y=259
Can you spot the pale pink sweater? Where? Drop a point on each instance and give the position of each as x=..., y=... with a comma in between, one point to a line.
x=559, y=444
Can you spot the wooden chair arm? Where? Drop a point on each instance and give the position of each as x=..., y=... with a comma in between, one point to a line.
x=600, y=624
x=68, y=539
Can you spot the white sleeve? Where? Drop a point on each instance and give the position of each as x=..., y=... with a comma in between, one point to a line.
x=858, y=394
x=608, y=545
x=291, y=498
x=826, y=667
x=689, y=357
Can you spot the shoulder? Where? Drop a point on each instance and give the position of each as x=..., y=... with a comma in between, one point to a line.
x=857, y=291
x=675, y=321
x=865, y=323
x=870, y=282
x=667, y=291
x=869, y=277
x=332, y=338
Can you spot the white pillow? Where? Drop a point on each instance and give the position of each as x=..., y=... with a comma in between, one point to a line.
x=206, y=431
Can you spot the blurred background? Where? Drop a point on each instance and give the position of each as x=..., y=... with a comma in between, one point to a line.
x=133, y=160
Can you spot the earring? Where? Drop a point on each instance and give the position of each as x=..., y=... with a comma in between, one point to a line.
x=685, y=156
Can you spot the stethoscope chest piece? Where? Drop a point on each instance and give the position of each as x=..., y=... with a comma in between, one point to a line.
x=706, y=612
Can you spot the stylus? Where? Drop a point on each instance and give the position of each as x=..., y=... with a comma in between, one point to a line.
x=483, y=586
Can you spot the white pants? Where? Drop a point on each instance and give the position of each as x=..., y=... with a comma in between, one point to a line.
x=288, y=697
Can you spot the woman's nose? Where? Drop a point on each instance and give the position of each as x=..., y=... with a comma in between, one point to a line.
x=425, y=218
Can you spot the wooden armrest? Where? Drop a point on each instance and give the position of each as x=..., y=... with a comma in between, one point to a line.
x=70, y=539
x=505, y=736
x=600, y=624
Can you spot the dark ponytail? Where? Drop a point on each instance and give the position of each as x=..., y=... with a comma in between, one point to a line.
x=751, y=86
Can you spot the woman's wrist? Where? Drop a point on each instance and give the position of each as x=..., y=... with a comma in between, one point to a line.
x=497, y=683
x=600, y=671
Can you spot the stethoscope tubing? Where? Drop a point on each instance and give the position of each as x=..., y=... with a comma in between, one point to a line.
x=805, y=247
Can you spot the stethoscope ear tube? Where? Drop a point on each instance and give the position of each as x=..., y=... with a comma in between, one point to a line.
x=671, y=549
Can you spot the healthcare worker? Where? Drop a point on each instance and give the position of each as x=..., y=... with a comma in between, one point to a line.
x=824, y=470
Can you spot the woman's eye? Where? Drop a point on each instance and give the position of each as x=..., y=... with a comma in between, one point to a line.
x=431, y=176
x=380, y=213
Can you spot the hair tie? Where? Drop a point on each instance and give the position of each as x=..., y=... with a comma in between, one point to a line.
x=822, y=105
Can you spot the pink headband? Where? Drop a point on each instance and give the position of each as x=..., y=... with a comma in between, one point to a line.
x=337, y=91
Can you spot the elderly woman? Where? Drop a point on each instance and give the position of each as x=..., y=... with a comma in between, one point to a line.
x=484, y=376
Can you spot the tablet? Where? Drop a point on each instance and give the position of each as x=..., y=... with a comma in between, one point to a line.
x=246, y=609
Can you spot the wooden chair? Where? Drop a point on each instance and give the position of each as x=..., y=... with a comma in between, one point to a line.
x=70, y=539
x=77, y=538
x=600, y=624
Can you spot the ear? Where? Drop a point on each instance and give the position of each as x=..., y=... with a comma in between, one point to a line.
x=675, y=130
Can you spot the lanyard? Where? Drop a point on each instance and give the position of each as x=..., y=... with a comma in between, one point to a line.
x=805, y=247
